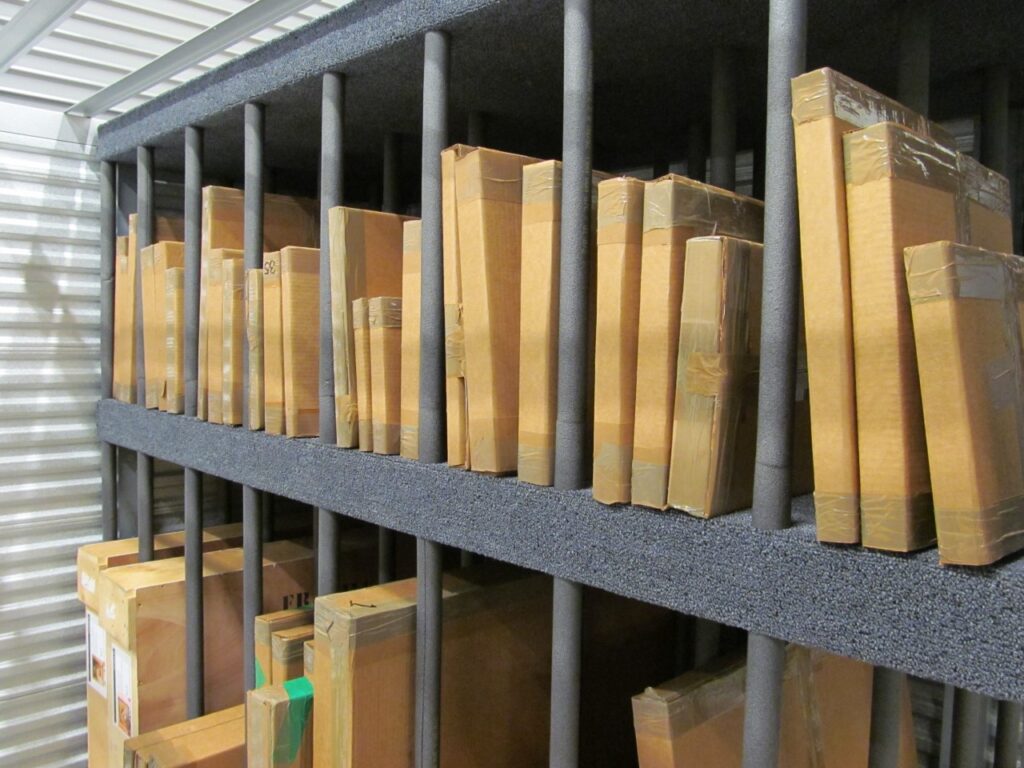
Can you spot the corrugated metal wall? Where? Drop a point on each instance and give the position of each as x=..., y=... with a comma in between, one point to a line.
x=49, y=459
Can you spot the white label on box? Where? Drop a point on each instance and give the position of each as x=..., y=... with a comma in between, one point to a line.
x=88, y=583
x=124, y=707
x=96, y=650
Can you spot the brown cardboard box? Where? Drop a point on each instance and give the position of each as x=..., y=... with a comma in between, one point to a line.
x=174, y=325
x=142, y=610
x=488, y=193
x=620, y=210
x=300, y=329
x=410, y=400
x=166, y=255
x=454, y=337
x=280, y=725
x=286, y=221
x=263, y=632
x=902, y=190
x=273, y=346
x=254, y=340
x=308, y=657
x=966, y=305
x=495, y=673
x=696, y=720
x=714, y=437
x=214, y=272
x=286, y=652
x=234, y=338
x=385, y=320
x=675, y=209
x=366, y=260
x=826, y=105
x=124, y=322
x=137, y=750
x=363, y=363
x=220, y=746
x=538, y=329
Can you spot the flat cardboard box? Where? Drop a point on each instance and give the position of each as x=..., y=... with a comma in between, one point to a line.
x=675, y=209
x=166, y=255
x=263, y=631
x=308, y=658
x=300, y=329
x=273, y=346
x=151, y=344
x=95, y=558
x=142, y=610
x=489, y=196
x=124, y=322
x=214, y=271
x=385, y=337
x=286, y=646
x=234, y=338
x=280, y=725
x=456, y=407
x=495, y=673
x=620, y=211
x=220, y=746
x=903, y=190
x=363, y=363
x=174, y=329
x=254, y=340
x=410, y=400
x=966, y=305
x=286, y=221
x=714, y=435
x=137, y=749
x=97, y=661
x=696, y=720
x=538, y=329
x=827, y=104
x=366, y=260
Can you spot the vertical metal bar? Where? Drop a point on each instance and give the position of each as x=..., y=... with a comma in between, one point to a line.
x=946, y=726
x=723, y=118
x=252, y=514
x=385, y=555
x=970, y=729
x=436, y=66
x=886, y=718
x=195, y=661
x=124, y=478
x=566, y=670
x=436, y=77
x=108, y=235
x=1007, y=735
x=391, y=171
x=428, y=653
x=571, y=461
x=915, y=54
x=995, y=120
x=787, y=37
x=696, y=151
x=144, y=238
x=332, y=175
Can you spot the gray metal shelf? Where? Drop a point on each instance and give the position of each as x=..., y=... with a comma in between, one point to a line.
x=903, y=611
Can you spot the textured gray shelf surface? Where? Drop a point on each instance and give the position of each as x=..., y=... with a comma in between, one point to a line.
x=906, y=612
x=652, y=72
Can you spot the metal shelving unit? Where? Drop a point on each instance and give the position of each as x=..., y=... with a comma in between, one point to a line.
x=636, y=79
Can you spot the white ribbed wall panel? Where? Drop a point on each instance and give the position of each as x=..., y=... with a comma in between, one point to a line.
x=49, y=458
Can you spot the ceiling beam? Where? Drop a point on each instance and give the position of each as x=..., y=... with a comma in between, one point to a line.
x=30, y=25
x=254, y=17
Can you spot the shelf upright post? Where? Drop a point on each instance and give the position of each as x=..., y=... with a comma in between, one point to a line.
x=252, y=516
x=970, y=729
x=886, y=717
x=390, y=203
x=108, y=241
x=787, y=41
x=144, y=238
x=1008, y=723
x=915, y=54
x=432, y=447
x=332, y=176
x=125, y=479
x=696, y=150
x=723, y=118
x=195, y=662
x=572, y=465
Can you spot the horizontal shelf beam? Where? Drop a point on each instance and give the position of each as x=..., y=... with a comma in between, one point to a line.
x=905, y=612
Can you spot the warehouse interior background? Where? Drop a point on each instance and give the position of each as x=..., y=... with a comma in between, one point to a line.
x=66, y=66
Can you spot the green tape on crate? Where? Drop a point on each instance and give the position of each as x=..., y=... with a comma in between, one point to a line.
x=289, y=737
x=261, y=677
